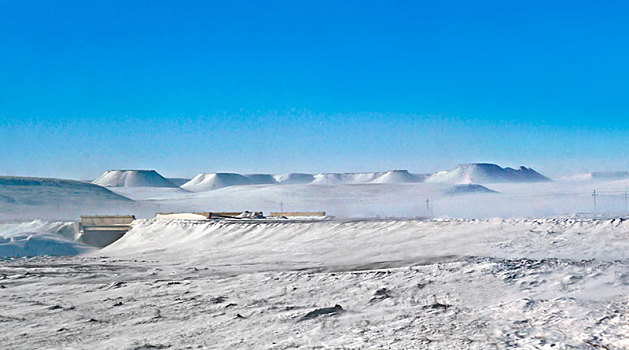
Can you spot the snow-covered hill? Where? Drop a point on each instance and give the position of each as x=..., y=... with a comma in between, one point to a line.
x=483, y=173
x=26, y=197
x=208, y=182
x=133, y=178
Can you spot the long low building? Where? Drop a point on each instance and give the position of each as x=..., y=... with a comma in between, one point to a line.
x=103, y=230
x=210, y=215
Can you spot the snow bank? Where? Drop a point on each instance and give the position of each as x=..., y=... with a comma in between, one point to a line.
x=133, y=178
x=37, y=238
x=365, y=241
x=482, y=173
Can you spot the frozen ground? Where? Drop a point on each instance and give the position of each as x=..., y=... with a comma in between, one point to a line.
x=551, y=283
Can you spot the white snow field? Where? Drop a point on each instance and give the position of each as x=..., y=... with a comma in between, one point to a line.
x=133, y=178
x=444, y=261
x=400, y=284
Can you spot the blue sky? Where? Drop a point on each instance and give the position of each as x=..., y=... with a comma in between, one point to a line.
x=276, y=86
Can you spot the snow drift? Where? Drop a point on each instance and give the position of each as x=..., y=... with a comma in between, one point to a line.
x=330, y=243
x=133, y=178
x=37, y=238
x=482, y=173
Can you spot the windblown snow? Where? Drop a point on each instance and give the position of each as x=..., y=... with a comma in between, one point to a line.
x=354, y=281
x=133, y=178
x=437, y=284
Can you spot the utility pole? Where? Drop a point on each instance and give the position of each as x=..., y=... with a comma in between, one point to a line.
x=428, y=207
x=594, y=195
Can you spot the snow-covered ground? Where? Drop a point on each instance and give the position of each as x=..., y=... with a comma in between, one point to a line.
x=410, y=261
x=553, y=283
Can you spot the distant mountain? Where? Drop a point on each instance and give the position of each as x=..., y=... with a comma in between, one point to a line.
x=133, y=178
x=481, y=173
x=208, y=182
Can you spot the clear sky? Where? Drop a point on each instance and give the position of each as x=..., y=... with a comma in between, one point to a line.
x=263, y=86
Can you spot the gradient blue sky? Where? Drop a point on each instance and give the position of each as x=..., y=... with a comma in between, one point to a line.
x=277, y=86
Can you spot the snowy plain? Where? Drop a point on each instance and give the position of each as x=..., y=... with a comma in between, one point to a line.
x=530, y=265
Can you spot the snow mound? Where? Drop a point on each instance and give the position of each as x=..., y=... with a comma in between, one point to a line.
x=294, y=178
x=133, y=178
x=37, y=238
x=467, y=189
x=486, y=173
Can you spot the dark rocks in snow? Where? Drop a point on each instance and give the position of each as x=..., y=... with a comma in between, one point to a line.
x=381, y=294
x=240, y=316
x=336, y=309
x=218, y=300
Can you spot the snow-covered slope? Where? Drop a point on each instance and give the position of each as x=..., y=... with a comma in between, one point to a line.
x=482, y=173
x=133, y=178
x=25, y=197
